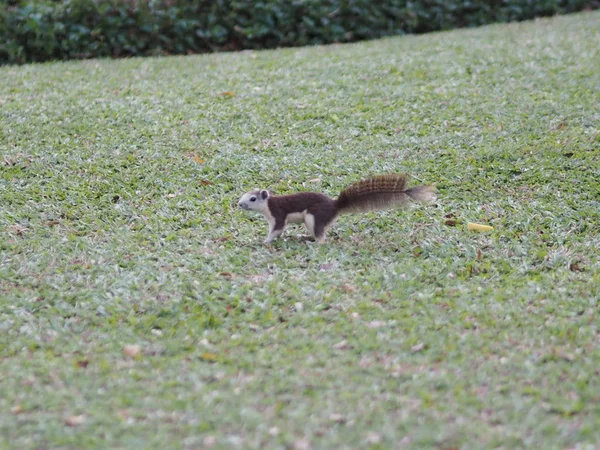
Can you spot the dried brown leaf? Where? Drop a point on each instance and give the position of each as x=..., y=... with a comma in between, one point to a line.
x=337, y=418
x=209, y=441
x=342, y=345
x=132, y=350
x=75, y=421
x=574, y=267
x=348, y=288
x=17, y=229
x=417, y=348
x=373, y=438
x=302, y=444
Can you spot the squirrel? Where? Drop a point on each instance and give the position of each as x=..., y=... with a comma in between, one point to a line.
x=318, y=211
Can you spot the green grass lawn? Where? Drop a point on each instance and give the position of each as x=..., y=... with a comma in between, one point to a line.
x=139, y=308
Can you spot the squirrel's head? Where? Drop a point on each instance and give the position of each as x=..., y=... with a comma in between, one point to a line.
x=255, y=200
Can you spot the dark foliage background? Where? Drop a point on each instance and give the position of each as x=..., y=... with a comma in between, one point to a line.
x=73, y=29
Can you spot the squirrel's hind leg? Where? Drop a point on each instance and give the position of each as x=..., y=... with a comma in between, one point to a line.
x=316, y=229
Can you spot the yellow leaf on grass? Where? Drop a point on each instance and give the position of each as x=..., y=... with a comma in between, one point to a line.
x=228, y=94
x=479, y=227
x=195, y=157
x=207, y=356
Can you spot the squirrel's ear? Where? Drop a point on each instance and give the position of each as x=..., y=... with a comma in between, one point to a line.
x=264, y=194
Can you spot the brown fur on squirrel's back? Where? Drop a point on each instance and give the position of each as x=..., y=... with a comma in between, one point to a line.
x=381, y=192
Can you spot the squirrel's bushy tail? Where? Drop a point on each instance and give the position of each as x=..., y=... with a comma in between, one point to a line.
x=381, y=192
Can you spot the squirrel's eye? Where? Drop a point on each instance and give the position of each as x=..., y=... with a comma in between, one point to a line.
x=252, y=199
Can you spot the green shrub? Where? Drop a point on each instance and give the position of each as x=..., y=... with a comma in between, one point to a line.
x=70, y=29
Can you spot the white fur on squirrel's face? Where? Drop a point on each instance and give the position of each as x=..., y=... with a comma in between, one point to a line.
x=255, y=200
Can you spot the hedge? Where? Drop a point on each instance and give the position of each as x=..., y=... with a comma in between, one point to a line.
x=74, y=29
